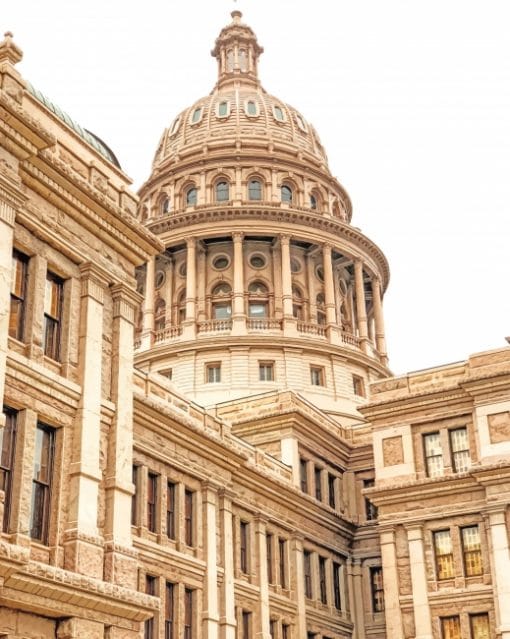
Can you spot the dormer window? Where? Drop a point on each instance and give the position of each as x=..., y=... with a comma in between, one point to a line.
x=300, y=122
x=196, y=115
x=223, y=109
x=175, y=125
x=278, y=113
x=251, y=108
x=191, y=196
x=286, y=194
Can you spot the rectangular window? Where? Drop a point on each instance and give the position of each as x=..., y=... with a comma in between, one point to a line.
x=257, y=310
x=53, y=315
x=188, y=613
x=134, y=497
x=170, y=510
x=243, y=547
x=480, y=626
x=269, y=556
x=266, y=372
x=316, y=376
x=213, y=373
x=459, y=445
x=377, y=588
x=285, y=631
x=18, y=295
x=152, y=501
x=282, y=562
x=322, y=580
x=444, y=554
x=331, y=491
x=307, y=569
x=371, y=512
x=246, y=624
x=169, y=610
x=188, y=517
x=433, y=455
x=450, y=628
x=7, y=451
x=317, y=474
x=150, y=589
x=42, y=482
x=471, y=550
x=358, y=384
x=303, y=474
x=336, y=585
x=272, y=628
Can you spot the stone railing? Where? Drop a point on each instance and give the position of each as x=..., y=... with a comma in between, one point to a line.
x=214, y=326
x=349, y=338
x=310, y=328
x=263, y=324
x=167, y=333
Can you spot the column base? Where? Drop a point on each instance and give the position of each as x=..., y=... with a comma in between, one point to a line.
x=189, y=330
x=83, y=554
x=120, y=565
x=290, y=327
x=333, y=334
x=239, y=326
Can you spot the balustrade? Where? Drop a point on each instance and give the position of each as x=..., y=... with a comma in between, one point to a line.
x=215, y=326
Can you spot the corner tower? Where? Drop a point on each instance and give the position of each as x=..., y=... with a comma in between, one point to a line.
x=264, y=285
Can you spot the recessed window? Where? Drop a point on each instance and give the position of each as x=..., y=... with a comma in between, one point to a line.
x=251, y=108
x=450, y=627
x=371, y=510
x=42, y=482
x=222, y=192
x=459, y=444
x=266, y=371
x=317, y=475
x=358, y=384
x=18, y=295
x=278, y=113
x=221, y=262
x=223, y=109
x=196, y=115
x=282, y=562
x=175, y=125
x=433, y=455
x=303, y=474
x=189, y=517
x=323, y=591
x=213, y=373
x=317, y=375
x=171, y=493
x=222, y=310
x=331, y=491
x=7, y=449
x=313, y=202
x=286, y=194
x=165, y=206
x=377, y=588
x=189, y=613
x=254, y=190
x=53, y=315
x=191, y=196
x=319, y=271
x=337, y=591
x=443, y=549
x=307, y=573
x=480, y=626
x=182, y=269
x=300, y=122
x=243, y=546
x=257, y=261
x=295, y=265
x=257, y=310
x=471, y=550
x=152, y=501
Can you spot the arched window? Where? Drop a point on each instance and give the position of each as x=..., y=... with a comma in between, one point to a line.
x=159, y=314
x=321, y=309
x=197, y=115
x=313, y=202
x=222, y=192
x=230, y=60
x=297, y=303
x=258, y=300
x=243, y=60
x=254, y=190
x=223, y=109
x=181, y=307
x=278, y=113
x=191, y=196
x=165, y=206
x=221, y=301
x=251, y=108
x=286, y=194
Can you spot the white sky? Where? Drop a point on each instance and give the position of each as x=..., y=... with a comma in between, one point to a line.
x=411, y=100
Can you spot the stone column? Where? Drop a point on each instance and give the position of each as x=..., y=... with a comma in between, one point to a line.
x=277, y=279
x=361, y=306
x=380, y=339
x=238, y=311
x=261, y=550
x=357, y=609
x=202, y=280
x=298, y=585
x=329, y=294
x=392, y=610
x=289, y=321
x=189, y=324
x=120, y=559
x=82, y=547
x=148, y=305
x=421, y=607
x=501, y=567
x=210, y=613
x=228, y=615
x=312, y=295
x=169, y=291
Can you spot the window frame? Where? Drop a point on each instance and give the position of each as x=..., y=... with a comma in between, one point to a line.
x=307, y=574
x=169, y=620
x=244, y=546
x=446, y=557
x=52, y=324
x=222, y=191
x=171, y=509
x=266, y=371
x=376, y=588
x=189, y=517
x=213, y=373
x=323, y=583
x=468, y=555
x=7, y=460
x=152, y=501
x=251, y=191
x=18, y=298
x=429, y=470
x=46, y=487
x=317, y=376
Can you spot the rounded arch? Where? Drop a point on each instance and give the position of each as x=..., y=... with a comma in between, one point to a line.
x=221, y=289
x=163, y=204
x=221, y=189
x=190, y=194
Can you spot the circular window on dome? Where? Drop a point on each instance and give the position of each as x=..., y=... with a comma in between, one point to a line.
x=295, y=265
x=319, y=271
x=221, y=262
x=159, y=279
x=251, y=108
x=175, y=125
x=196, y=115
x=182, y=269
x=223, y=109
x=257, y=261
x=278, y=113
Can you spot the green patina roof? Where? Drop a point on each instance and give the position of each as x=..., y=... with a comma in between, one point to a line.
x=89, y=137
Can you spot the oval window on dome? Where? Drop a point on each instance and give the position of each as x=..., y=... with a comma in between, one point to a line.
x=196, y=116
x=251, y=108
x=220, y=262
x=160, y=279
x=223, y=109
x=278, y=113
x=257, y=261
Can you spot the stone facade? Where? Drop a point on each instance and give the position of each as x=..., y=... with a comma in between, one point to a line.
x=200, y=439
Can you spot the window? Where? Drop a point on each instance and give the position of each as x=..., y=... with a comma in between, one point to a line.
x=169, y=610
x=331, y=491
x=257, y=310
x=258, y=261
x=272, y=628
x=18, y=295
x=282, y=562
x=197, y=115
x=152, y=500
x=254, y=190
x=223, y=109
x=134, y=496
x=246, y=624
x=313, y=202
x=297, y=303
x=191, y=196
x=459, y=445
x=213, y=373
x=188, y=613
x=450, y=628
x=336, y=585
x=433, y=455
x=278, y=113
x=444, y=554
x=181, y=307
x=42, y=482
x=150, y=589
x=303, y=474
x=286, y=194
x=170, y=510
x=7, y=448
x=251, y=108
x=285, y=631
x=316, y=376
x=220, y=263
x=222, y=310
x=243, y=546
x=317, y=475
x=165, y=206
x=221, y=307
x=266, y=371
x=322, y=580
x=53, y=315
x=307, y=570
x=371, y=511
x=480, y=626
x=471, y=550
x=222, y=192
x=377, y=588
x=269, y=557
x=358, y=385
x=188, y=517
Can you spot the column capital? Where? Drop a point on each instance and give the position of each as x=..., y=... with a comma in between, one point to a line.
x=237, y=236
x=191, y=242
x=94, y=281
x=327, y=246
x=284, y=239
x=12, y=196
x=125, y=301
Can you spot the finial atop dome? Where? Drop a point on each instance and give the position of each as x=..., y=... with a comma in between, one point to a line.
x=237, y=52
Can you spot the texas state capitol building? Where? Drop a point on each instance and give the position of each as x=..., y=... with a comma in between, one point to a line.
x=201, y=436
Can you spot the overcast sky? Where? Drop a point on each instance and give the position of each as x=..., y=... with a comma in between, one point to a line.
x=410, y=98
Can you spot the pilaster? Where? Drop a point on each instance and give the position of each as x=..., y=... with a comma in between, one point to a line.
x=501, y=566
x=228, y=616
x=298, y=585
x=421, y=606
x=357, y=610
x=289, y=321
x=393, y=613
x=210, y=613
x=189, y=324
x=148, y=304
x=261, y=550
x=361, y=307
x=329, y=295
x=238, y=312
